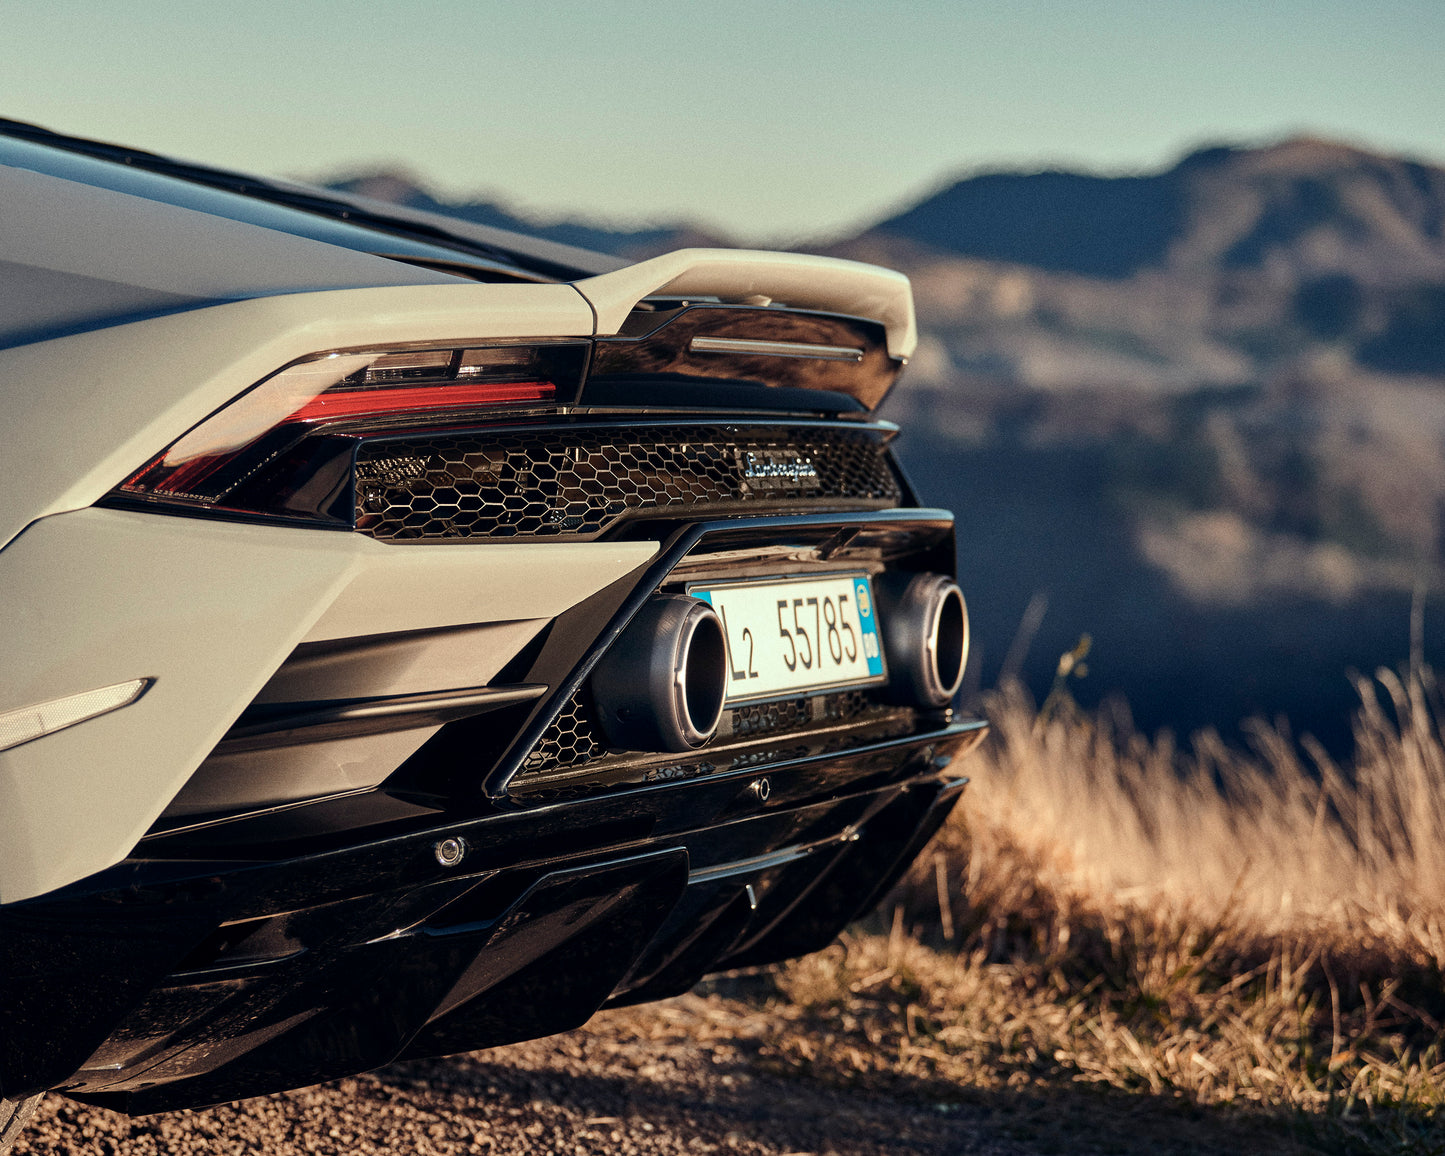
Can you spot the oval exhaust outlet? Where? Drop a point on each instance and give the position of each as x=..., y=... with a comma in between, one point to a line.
x=925, y=635
x=660, y=686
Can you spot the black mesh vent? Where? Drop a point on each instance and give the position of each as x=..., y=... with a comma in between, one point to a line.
x=849, y=704
x=573, y=739
x=575, y=483
x=765, y=717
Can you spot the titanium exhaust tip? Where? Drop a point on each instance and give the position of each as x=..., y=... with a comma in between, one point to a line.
x=924, y=623
x=661, y=685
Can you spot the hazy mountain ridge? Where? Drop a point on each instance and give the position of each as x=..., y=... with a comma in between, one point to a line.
x=1218, y=447
x=1215, y=272
x=1218, y=271
x=1323, y=206
x=402, y=188
x=1281, y=356
x=1199, y=414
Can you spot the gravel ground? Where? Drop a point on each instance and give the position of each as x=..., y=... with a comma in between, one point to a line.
x=697, y=1074
x=687, y=1076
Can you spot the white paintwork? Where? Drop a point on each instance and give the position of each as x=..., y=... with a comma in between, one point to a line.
x=77, y=230
x=402, y=663
x=796, y=279
x=45, y=718
x=83, y=413
x=209, y=610
x=487, y=582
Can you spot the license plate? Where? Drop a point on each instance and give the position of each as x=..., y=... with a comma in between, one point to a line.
x=797, y=634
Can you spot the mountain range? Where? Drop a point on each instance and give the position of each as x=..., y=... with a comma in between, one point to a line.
x=1318, y=206
x=1217, y=271
x=1198, y=414
x=403, y=188
x=1207, y=273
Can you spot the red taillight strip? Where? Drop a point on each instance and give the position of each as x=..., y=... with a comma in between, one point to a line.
x=355, y=403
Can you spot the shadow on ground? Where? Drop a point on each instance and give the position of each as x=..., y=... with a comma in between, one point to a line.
x=693, y=1075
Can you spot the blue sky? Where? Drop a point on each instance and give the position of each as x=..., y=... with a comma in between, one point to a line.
x=774, y=121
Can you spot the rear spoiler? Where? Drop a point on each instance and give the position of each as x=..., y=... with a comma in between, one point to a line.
x=753, y=276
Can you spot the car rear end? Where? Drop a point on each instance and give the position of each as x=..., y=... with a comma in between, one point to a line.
x=398, y=670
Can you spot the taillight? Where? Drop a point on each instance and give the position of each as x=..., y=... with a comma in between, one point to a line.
x=283, y=448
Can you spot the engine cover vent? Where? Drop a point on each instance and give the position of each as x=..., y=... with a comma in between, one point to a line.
x=577, y=482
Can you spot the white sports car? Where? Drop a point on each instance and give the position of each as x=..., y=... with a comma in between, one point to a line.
x=417, y=636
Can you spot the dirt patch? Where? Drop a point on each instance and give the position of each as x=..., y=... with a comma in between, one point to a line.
x=688, y=1076
x=697, y=1074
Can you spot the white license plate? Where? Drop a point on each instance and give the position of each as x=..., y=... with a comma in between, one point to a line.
x=797, y=634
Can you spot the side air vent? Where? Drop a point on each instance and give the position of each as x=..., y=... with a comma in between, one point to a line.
x=577, y=482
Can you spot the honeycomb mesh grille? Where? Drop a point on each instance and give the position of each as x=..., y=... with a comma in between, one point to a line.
x=576, y=483
x=765, y=717
x=574, y=739
x=571, y=740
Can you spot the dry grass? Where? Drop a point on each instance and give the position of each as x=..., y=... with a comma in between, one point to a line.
x=1281, y=843
x=1256, y=936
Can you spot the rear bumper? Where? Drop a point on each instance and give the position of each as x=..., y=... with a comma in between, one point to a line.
x=209, y=610
x=195, y=979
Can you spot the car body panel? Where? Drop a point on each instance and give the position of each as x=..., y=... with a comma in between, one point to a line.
x=77, y=257
x=209, y=610
x=367, y=952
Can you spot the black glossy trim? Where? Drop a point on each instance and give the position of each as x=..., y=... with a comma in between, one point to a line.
x=635, y=429
x=262, y=728
x=677, y=390
x=306, y=476
x=652, y=361
x=176, y=982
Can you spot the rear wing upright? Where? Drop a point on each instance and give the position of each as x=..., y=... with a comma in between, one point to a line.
x=752, y=276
